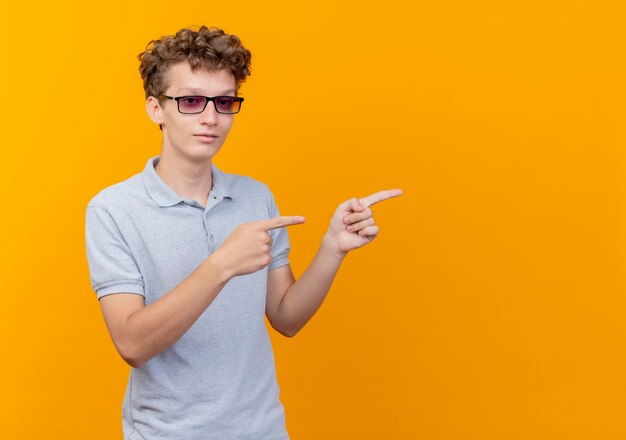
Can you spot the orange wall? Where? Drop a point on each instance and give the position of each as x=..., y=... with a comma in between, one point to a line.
x=491, y=306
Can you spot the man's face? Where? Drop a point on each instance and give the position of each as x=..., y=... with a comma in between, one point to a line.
x=182, y=132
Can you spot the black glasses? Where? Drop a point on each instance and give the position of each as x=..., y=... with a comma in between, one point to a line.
x=196, y=104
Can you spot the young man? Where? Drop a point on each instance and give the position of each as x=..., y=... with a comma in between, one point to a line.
x=186, y=259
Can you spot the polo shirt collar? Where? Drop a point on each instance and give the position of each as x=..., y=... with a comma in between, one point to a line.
x=165, y=196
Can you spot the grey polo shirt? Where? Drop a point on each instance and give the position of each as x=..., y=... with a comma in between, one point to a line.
x=218, y=381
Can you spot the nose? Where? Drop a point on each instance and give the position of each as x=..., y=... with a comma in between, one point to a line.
x=209, y=115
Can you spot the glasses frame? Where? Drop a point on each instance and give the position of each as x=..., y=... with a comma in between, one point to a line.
x=208, y=99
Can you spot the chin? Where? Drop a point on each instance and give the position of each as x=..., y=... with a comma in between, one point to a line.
x=197, y=153
x=205, y=151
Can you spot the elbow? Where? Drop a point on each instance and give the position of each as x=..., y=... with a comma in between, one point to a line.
x=290, y=333
x=133, y=362
x=131, y=356
x=283, y=326
x=285, y=331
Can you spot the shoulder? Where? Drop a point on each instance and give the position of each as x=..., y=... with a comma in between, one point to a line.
x=118, y=195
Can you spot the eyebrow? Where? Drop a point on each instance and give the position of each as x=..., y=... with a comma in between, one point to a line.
x=194, y=90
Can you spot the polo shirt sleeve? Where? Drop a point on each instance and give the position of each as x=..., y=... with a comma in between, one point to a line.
x=280, y=239
x=112, y=267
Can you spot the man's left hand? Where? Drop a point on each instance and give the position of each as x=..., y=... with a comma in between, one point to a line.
x=352, y=225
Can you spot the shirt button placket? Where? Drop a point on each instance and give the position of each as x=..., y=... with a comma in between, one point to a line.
x=209, y=234
x=207, y=226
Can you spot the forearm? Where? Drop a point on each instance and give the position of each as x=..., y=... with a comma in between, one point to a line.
x=306, y=295
x=157, y=326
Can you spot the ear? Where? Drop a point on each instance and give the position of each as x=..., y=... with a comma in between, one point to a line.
x=154, y=109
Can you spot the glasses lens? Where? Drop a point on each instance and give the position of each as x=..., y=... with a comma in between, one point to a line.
x=191, y=104
x=227, y=104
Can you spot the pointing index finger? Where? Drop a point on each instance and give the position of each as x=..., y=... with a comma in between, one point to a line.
x=379, y=197
x=280, y=222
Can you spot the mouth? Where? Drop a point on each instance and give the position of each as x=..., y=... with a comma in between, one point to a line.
x=208, y=138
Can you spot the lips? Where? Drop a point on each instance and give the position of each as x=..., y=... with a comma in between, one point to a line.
x=207, y=135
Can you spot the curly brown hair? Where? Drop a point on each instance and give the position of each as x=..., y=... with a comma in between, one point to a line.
x=209, y=47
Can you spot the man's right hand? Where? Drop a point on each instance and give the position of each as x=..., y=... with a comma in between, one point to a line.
x=247, y=248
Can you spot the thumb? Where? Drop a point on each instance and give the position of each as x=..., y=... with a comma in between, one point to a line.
x=355, y=205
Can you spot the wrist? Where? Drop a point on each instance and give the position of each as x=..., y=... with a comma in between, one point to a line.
x=330, y=246
x=214, y=264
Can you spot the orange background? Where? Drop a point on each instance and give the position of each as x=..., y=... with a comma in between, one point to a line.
x=491, y=306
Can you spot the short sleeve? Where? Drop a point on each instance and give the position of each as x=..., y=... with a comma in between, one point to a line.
x=112, y=267
x=280, y=239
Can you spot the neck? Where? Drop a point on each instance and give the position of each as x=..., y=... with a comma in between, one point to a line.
x=189, y=179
